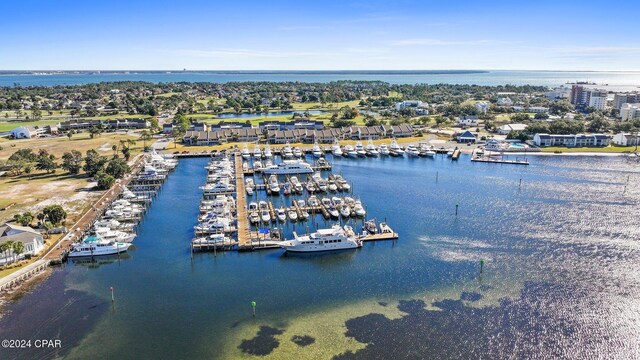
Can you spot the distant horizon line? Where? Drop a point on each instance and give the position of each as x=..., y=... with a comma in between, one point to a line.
x=378, y=71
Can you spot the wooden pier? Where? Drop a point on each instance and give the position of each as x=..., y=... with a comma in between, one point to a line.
x=456, y=154
x=241, y=204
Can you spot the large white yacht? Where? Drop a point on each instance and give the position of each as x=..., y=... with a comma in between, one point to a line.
x=335, y=149
x=289, y=167
x=412, y=150
x=371, y=149
x=384, y=150
x=317, y=152
x=245, y=152
x=395, y=147
x=350, y=151
x=94, y=246
x=334, y=238
x=267, y=151
x=287, y=152
x=360, y=149
x=106, y=233
x=257, y=153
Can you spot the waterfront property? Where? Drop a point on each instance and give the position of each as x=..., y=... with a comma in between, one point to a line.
x=626, y=139
x=577, y=140
x=506, y=129
x=467, y=137
x=30, y=238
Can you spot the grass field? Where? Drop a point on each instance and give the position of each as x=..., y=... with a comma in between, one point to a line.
x=34, y=191
x=10, y=125
x=608, y=149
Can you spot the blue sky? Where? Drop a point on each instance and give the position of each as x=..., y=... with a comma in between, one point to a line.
x=319, y=35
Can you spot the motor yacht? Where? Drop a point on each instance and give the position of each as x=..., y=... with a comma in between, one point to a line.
x=331, y=239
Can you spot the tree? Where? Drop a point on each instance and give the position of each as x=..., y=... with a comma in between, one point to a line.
x=105, y=181
x=117, y=168
x=541, y=116
x=597, y=123
x=177, y=133
x=94, y=162
x=36, y=113
x=145, y=136
x=72, y=161
x=95, y=131
x=69, y=134
x=23, y=219
x=154, y=125
x=46, y=163
x=18, y=248
x=440, y=120
x=55, y=214
x=5, y=247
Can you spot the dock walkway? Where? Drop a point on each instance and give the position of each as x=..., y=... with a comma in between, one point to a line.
x=244, y=237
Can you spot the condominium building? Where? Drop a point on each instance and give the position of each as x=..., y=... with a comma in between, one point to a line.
x=629, y=112
x=582, y=97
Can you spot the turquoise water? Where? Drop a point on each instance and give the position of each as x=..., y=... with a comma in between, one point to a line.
x=492, y=77
x=560, y=249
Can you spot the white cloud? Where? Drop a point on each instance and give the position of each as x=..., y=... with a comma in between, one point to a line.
x=439, y=42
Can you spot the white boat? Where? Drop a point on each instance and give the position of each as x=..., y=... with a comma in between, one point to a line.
x=106, y=233
x=297, y=152
x=281, y=214
x=412, y=150
x=316, y=151
x=313, y=201
x=384, y=150
x=371, y=149
x=333, y=212
x=359, y=210
x=216, y=188
x=245, y=152
x=297, y=186
x=342, y=182
x=264, y=216
x=345, y=211
x=215, y=224
x=274, y=186
x=332, y=186
x=98, y=247
x=289, y=167
x=334, y=238
x=254, y=217
x=293, y=215
x=321, y=183
x=253, y=206
x=335, y=149
x=304, y=215
x=257, y=154
x=425, y=151
x=450, y=153
x=286, y=152
x=262, y=205
x=360, y=149
x=212, y=239
x=350, y=151
x=249, y=191
x=257, y=165
x=395, y=147
x=267, y=152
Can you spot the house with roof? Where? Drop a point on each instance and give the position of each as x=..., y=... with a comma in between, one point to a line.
x=466, y=137
x=402, y=130
x=230, y=125
x=168, y=128
x=78, y=124
x=27, y=132
x=506, y=129
x=248, y=134
x=284, y=136
x=505, y=101
x=422, y=108
x=366, y=132
x=306, y=124
x=30, y=238
x=573, y=140
x=327, y=136
x=626, y=139
x=482, y=107
x=468, y=120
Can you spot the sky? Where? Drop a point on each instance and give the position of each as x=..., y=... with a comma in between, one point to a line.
x=319, y=35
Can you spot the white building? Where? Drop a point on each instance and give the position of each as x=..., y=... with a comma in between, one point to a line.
x=27, y=132
x=31, y=239
x=482, y=107
x=598, y=100
x=626, y=139
x=506, y=129
x=469, y=120
x=579, y=140
x=411, y=104
x=623, y=98
x=532, y=109
x=558, y=93
x=505, y=101
x=630, y=112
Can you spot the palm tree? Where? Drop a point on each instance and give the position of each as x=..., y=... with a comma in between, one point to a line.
x=6, y=247
x=145, y=136
x=18, y=248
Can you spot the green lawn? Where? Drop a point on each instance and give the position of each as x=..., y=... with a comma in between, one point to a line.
x=608, y=149
x=8, y=126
